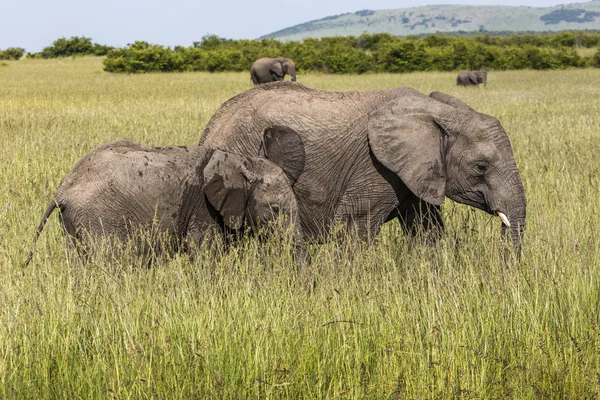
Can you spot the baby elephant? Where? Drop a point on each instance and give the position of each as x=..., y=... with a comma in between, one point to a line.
x=181, y=193
x=471, y=78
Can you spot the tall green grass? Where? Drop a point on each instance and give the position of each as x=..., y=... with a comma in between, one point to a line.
x=382, y=321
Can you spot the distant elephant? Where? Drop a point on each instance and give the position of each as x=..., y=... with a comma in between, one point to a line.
x=272, y=69
x=181, y=193
x=467, y=78
x=372, y=156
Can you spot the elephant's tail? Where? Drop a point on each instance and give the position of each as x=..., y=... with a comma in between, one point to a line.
x=51, y=206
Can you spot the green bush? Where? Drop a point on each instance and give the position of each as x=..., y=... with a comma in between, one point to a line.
x=587, y=40
x=12, y=53
x=348, y=61
x=370, y=41
x=407, y=56
x=75, y=46
x=562, y=39
x=143, y=57
x=530, y=57
x=380, y=52
x=596, y=59
x=193, y=59
x=219, y=60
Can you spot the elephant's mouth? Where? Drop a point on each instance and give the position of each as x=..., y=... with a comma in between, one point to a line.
x=490, y=209
x=493, y=209
x=504, y=218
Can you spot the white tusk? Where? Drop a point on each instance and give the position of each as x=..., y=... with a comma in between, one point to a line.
x=504, y=219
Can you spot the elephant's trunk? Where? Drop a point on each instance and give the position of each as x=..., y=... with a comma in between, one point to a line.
x=513, y=213
x=517, y=229
x=292, y=72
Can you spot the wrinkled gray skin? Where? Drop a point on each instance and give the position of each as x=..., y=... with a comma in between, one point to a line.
x=122, y=187
x=266, y=70
x=372, y=156
x=471, y=78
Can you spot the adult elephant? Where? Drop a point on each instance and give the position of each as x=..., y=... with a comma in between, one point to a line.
x=471, y=78
x=272, y=69
x=372, y=156
x=178, y=194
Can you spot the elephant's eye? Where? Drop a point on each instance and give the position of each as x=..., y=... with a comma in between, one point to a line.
x=275, y=208
x=481, y=166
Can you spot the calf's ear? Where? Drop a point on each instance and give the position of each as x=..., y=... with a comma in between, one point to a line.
x=283, y=146
x=226, y=186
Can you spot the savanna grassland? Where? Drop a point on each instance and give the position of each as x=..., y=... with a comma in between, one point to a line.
x=382, y=322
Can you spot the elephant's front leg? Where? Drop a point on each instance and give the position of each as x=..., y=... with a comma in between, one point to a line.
x=202, y=233
x=362, y=216
x=422, y=221
x=276, y=78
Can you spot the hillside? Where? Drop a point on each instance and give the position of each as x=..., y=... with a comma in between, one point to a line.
x=449, y=18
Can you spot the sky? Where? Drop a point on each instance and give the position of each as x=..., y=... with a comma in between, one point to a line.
x=34, y=24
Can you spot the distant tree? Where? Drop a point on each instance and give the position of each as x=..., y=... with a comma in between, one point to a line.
x=74, y=46
x=569, y=15
x=12, y=53
x=211, y=42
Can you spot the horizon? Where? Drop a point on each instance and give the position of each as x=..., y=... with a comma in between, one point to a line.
x=35, y=24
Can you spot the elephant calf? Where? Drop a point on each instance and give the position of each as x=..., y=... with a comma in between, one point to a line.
x=267, y=69
x=471, y=78
x=180, y=193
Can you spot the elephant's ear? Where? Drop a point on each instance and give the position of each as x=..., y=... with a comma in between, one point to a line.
x=276, y=68
x=450, y=100
x=283, y=146
x=226, y=188
x=409, y=142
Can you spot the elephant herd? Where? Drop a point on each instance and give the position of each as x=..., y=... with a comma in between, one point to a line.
x=265, y=70
x=308, y=158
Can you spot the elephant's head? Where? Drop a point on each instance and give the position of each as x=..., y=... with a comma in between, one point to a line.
x=252, y=190
x=481, y=77
x=287, y=67
x=439, y=147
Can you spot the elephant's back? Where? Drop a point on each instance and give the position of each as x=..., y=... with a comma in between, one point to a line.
x=122, y=183
x=262, y=60
x=463, y=76
x=128, y=161
x=239, y=123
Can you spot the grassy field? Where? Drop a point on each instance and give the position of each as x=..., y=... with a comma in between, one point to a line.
x=382, y=323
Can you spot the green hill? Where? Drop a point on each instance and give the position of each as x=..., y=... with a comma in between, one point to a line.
x=449, y=18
